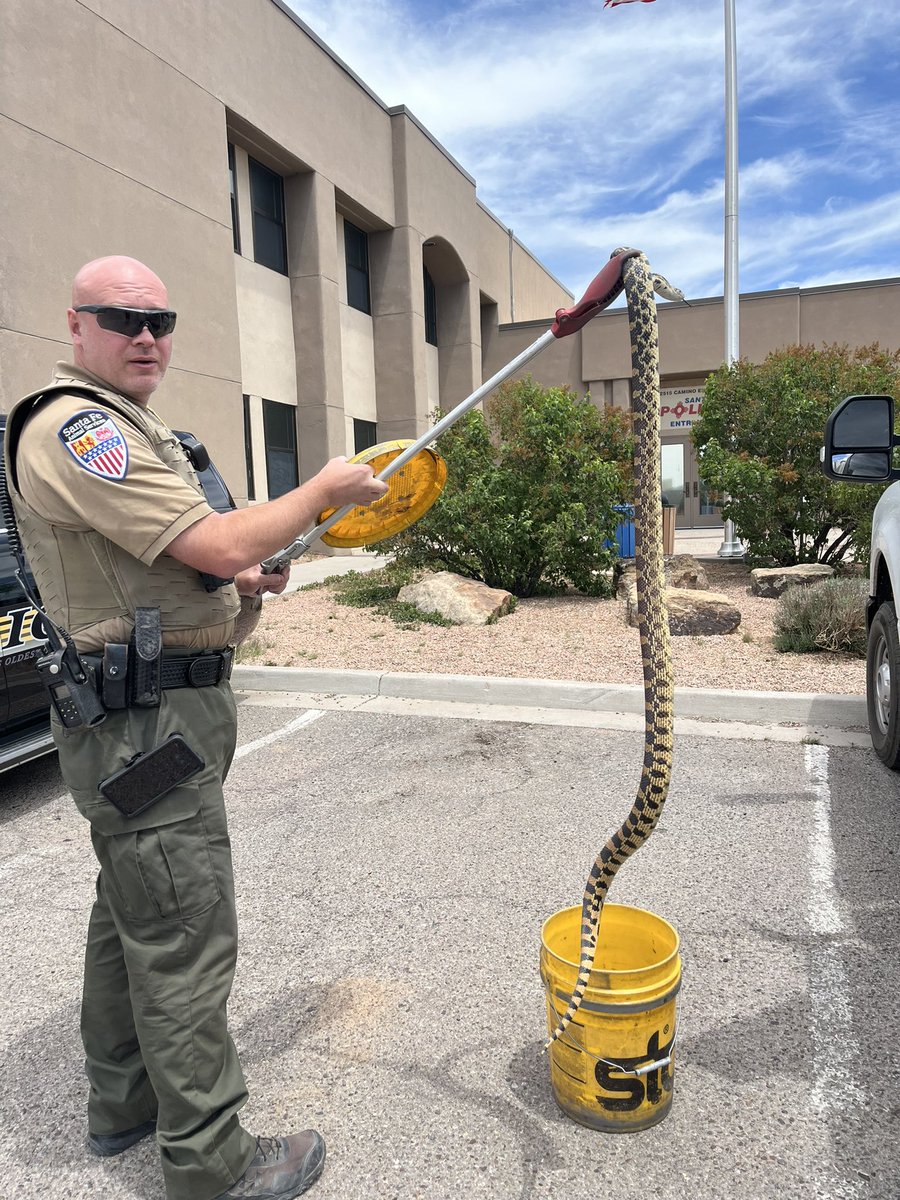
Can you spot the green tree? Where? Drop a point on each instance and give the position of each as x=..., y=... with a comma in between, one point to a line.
x=758, y=442
x=530, y=494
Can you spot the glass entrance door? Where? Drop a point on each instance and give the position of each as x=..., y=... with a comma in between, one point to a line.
x=683, y=488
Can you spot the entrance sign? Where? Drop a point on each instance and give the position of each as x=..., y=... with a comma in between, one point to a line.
x=679, y=408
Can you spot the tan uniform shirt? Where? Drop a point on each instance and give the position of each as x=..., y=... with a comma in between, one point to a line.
x=140, y=513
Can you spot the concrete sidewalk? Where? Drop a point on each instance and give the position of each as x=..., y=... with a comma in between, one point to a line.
x=314, y=570
x=777, y=716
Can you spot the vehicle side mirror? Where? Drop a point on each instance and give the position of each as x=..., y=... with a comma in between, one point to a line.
x=859, y=441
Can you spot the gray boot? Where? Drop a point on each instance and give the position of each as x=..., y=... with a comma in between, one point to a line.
x=283, y=1168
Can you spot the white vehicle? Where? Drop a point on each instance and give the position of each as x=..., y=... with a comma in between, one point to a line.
x=859, y=441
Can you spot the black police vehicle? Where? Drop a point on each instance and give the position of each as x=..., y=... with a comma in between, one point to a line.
x=24, y=704
x=24, y=707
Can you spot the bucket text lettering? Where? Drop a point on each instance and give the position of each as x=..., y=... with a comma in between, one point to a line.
x=631, y=1091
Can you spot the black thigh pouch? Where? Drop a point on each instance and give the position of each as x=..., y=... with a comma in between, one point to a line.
x=151, y=775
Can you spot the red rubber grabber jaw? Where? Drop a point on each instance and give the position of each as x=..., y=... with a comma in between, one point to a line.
x=601, y=292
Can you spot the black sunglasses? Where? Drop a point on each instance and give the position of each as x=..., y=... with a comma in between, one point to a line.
x=130, y=321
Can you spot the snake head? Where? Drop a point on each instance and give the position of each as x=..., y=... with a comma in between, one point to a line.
x=661, y=285
x=667, y=290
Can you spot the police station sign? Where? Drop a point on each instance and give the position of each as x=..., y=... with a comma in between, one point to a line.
x=679, y=408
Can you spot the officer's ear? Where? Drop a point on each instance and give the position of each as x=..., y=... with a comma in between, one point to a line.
x=74, y=320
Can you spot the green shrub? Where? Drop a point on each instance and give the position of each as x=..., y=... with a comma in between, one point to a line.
x=368, y=589
x=378, y=589
x=530, y=494
x=758, y=441
x=825, y=616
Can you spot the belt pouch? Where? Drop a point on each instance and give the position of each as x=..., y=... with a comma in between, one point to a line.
x=146, y=646
x=114, y=682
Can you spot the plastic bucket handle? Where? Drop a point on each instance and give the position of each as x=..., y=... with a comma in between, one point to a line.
x=638, y=1071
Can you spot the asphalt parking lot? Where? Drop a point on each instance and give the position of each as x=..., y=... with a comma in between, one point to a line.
x=394, y=869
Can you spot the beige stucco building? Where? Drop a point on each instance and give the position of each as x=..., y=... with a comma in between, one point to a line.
x=332, y=265
x=335, y=274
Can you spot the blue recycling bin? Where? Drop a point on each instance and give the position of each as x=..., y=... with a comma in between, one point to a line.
x=625, y=530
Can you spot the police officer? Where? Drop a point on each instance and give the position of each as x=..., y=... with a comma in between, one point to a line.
x=114, y=522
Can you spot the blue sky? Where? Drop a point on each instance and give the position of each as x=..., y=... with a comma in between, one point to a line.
x=588, y=128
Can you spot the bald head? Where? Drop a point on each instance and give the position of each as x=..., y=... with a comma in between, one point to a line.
x=110, y=280
x=135, y=365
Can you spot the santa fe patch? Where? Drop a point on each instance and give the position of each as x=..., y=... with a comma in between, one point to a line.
x=96, y=443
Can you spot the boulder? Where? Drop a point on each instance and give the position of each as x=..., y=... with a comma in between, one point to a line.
x=700, y=612
x=465, y=601
x=775, y=581
x=682, y=571
x=692, y=611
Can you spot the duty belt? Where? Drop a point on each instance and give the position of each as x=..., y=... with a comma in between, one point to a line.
x=196, y=670
x=177, y=669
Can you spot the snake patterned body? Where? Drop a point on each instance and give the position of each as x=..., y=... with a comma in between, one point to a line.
x=653, y=621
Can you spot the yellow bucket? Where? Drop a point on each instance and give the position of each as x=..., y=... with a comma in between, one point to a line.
x=614, y=1067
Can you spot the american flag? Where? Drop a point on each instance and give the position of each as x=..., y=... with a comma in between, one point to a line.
x=108, y=458
x=613, y=3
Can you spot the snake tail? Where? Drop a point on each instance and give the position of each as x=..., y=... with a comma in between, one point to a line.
x=653, y=627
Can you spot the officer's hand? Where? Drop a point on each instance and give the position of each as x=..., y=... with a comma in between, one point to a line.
x=254, y=581
x=350, y=483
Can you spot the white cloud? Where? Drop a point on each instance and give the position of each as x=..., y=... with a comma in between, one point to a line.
x=586, y=129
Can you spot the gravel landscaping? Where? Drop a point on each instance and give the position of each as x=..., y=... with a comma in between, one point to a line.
x=567, y=637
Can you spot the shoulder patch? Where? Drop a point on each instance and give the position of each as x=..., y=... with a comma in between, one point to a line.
x=96, y=443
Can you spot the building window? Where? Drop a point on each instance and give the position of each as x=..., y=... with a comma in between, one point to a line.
x=364, y=435
x=281, y=447
x=267, y=202
x=430, y=310
x=248, y=450
x=356, y=248
x=232, y=186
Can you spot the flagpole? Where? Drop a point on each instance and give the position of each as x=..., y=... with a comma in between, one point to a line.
x=731, y=547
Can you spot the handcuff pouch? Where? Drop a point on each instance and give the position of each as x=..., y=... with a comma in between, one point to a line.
x=146, y=655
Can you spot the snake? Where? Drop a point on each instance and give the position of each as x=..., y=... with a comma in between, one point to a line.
x=639, y=284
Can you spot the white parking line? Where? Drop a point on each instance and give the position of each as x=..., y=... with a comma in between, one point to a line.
x=835, y=1050
x=285, y=731
x=823, y=915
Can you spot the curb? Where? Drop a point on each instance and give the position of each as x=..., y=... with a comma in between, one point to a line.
x=767, y=708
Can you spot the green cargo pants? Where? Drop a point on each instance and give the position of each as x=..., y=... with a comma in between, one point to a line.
x=162, y=945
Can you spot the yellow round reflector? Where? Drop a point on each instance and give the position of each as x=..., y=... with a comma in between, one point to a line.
x=411, y=492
